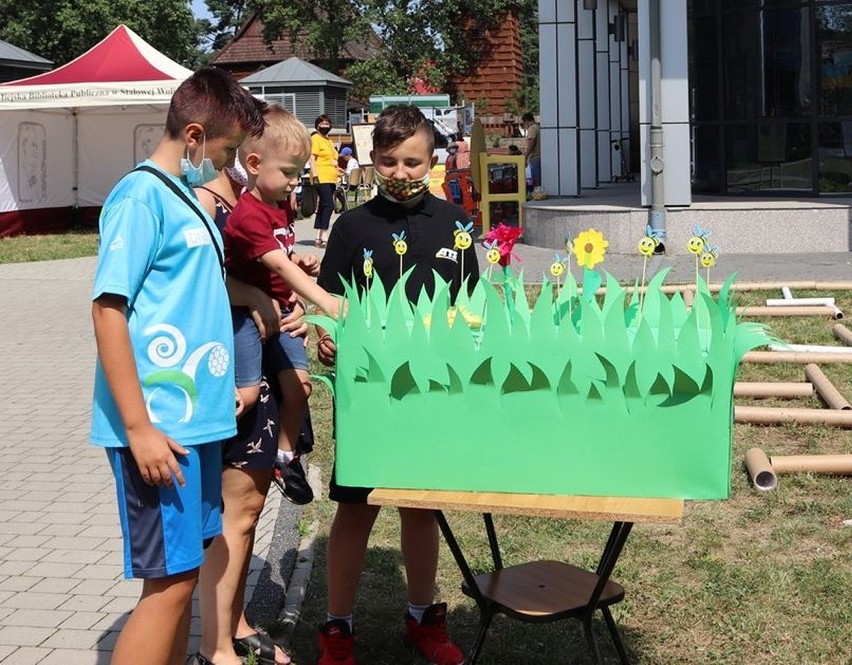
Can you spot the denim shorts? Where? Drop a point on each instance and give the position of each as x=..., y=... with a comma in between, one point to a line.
x=284, y=352
x=247, y=348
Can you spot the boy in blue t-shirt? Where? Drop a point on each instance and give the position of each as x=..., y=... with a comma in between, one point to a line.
x=164, y=384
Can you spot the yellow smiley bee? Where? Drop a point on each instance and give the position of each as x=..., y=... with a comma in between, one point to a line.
x=695, y=245
x=399, y=244
x=463, y=239
x=492, y=254
x=708, y=258
x=647, y=246
x=698, y=242
x=368, y=263
x=557, y=268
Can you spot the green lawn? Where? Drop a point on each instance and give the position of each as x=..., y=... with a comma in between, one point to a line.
x=21, y=249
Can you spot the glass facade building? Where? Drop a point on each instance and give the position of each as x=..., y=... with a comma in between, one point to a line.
x=771, y=97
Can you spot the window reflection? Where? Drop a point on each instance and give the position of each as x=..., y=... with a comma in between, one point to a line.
x=834, y=40
x=768, y=157
x=835, y=157
x=771, y=89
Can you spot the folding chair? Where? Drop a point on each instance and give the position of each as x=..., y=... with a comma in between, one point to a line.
x=543, y=591
x=353, y=182
x=366, y=186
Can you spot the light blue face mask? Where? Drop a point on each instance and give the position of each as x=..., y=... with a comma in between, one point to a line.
x=201, y=174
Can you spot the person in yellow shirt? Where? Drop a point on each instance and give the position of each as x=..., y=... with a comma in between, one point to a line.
x=324, y=175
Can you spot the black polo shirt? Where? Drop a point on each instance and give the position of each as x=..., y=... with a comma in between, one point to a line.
x=428, y=230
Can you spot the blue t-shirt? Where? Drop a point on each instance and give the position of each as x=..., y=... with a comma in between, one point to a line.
x=157, y=253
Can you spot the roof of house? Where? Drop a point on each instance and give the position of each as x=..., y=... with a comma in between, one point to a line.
x=11, y=54
x=248, y=46
x=295, y=72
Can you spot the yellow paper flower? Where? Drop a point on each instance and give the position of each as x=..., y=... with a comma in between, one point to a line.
x=589, y=248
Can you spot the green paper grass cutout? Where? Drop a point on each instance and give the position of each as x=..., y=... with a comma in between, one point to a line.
x=565, y=395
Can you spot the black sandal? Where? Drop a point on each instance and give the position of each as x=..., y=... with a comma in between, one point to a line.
x=258, y=644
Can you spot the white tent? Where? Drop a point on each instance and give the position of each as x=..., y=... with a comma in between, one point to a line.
x=66, y=136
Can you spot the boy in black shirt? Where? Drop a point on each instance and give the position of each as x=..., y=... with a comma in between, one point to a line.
x=402, y=154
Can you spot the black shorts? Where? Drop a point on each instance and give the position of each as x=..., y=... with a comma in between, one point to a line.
x=344, y=493
x=255, y=445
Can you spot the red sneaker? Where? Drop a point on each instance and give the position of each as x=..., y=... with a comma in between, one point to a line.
x=431, y=638
x=336, y=644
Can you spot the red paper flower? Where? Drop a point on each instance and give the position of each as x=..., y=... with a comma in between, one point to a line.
x=506, y=237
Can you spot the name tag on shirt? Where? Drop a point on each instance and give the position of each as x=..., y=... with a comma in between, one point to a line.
x=447, y=253
x=196, y=237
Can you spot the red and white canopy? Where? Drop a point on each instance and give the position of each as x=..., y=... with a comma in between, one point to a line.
x=122, y=69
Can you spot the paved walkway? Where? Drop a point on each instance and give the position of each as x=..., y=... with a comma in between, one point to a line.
x=62, y=595
x=63, y=598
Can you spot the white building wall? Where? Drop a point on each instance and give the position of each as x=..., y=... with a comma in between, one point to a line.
x=584, y=101
x=559, y=108
x=585, y=97
x=604, y=98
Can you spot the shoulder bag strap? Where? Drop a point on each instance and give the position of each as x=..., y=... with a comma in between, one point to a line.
x=192, y=206
x=221, y=200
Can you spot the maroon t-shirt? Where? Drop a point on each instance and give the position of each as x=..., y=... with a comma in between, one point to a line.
x=253, y=229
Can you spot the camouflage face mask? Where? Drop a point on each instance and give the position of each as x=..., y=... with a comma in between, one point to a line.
x=401, y=191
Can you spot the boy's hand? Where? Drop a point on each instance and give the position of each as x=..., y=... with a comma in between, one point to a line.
x=293, y=323
x=266, y=314
x=326, y=350
x=240, y=404
x=154, y=453
x=333, y=306
x=310, y=264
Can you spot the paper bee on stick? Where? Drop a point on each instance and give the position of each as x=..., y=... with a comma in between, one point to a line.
x=463, y=240
x=557, y=269
x=400, y=247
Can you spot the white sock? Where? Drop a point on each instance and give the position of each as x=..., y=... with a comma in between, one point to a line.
x=285, y=456
x=333, y=617
x=417, y=611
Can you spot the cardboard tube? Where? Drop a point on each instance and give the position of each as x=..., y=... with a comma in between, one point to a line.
x=688, y=297
x=760, y=470
x=807, y=302
x=829, y=464
x=757, y=310
x=764, y=415
x=825, y=388
x=786, y=293
x=789, y=390
x=796, y=357
x=810, y=348
x=753, y=286
x=771, y=286
x=842, y=333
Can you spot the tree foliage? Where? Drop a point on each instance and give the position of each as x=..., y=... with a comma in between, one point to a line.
x=228, y=16
x=429, y=40
x=61, y=30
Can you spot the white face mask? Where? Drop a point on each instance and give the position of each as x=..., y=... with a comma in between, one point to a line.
x=237, y=173
x=201, y=174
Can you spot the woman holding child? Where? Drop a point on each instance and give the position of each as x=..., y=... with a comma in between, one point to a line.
x=247, y=467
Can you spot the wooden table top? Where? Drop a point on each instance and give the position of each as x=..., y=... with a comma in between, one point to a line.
x=611, y=508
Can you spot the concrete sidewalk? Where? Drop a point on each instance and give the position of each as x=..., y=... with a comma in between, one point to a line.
x=62, y=595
